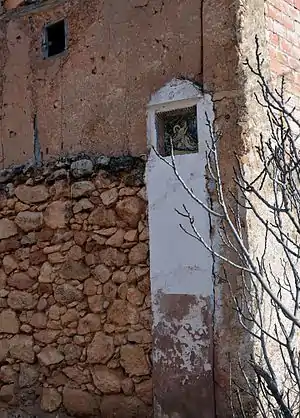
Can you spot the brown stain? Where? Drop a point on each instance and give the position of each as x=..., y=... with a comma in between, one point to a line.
x=180, y=388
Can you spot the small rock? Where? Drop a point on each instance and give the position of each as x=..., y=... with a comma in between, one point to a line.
x=50, y=400
x=82, y=205
x=74, y=270
x=119, y=277
x=131, y=235
x=35, y=194
x=58, y=214
x=101, y=349
x=20, y=281
x=102, y=217
x=21, y=348
x=144, y=391
x=70, y=316
x=117, y=239
x=45, y=273
x=82, y=168
x=109, y=197
x=7, y=228
x=133, y=360
x=7, y=374
x=102, y=273
x=50, y=355
x=120, y=406
x=80, y=403
x=135, y=297
x=107, y=380
x=82, y=188
x=130, y=210
x=138, y=254
x=38, y=320
x=19, y=300
x=96, y=303
x=9, y=323
x=67, y=293
x=140, y=337
x=7, y=393
x=89, y=323
x=9, y=264
x=46, y=336
x=112, y=257
x=3, y=349
x=29, y=375
x=29, y=221
x=89, y=287
x=127, y=386
x=122, y=313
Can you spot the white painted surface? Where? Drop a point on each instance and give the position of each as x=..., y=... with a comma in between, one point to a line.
x=178, y=263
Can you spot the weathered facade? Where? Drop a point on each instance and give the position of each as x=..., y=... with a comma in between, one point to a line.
x=93, y=81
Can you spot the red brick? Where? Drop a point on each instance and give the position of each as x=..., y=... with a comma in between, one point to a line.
x=286, y=46
x=297, y=4
x=274, y=38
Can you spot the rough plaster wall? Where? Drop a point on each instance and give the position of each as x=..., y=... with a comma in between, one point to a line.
x=94, y=96
x=181, y=283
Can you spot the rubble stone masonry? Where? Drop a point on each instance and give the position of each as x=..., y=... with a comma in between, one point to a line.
x=75, y=319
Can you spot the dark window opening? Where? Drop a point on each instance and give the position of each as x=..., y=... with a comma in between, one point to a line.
x=55, y=38
x=178, y=128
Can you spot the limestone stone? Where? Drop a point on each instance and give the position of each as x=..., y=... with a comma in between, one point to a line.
x=89, y=323
x=133, y=360
x=42, y=304
x=9, y=264
x=144, y=285
x=46, y=336
x=20, y=300
x=4, y=346
x=50, y=355
x=134, y=296
x=130, y=210
x=32, y=194
x=74, y=270
x=102, y=273
x=116, y=405
x=109, y=197
x=112, y=257
x=77, y=375
x=107, y=380
x=101, y=349
x=3, y=279
x=102, y=217
x=96, y=303
x=82, y=188
x=29, y=375
x=117, y=239
x=50, y=399
x=70, y=316
x=45, y=273
x=54, y=312
x=122, y=313
x=90, y=287
x=9, y=323
x=21, y=348
x=122, y=290
x=7, y=393
x=7, y=374
x=79, y=403
x=67, y=293
x=144, y=391
x=38, y=320
x=141, y=337
x=20, y=281
x=138, y=254
x=7, y=228
x=131, y=235
x=72, y=353
x=144, y=235
x=119, y=277
x=57, y=214
x=82, y=168
x=29, y=221
x=80, y=237
x=127, y=191
x=127, y=386
x=83, y=205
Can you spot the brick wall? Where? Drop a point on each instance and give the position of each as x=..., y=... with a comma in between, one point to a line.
x=283, y=35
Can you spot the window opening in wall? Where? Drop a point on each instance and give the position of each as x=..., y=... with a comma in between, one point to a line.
x=55, y=38
x=179, y=127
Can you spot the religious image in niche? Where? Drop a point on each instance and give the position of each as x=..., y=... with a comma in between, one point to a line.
x=180, y=127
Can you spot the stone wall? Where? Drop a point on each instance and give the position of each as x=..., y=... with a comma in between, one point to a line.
x=75, y=320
